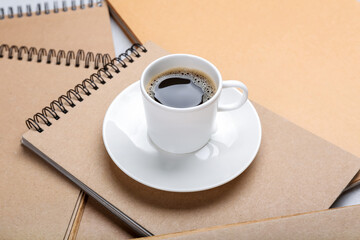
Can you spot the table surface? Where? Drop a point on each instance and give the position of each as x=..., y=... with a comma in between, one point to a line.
x=121, y=43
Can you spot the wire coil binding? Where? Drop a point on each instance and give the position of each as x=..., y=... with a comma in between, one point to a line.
x=51, y=55
x=85, y=88
x=45, y=9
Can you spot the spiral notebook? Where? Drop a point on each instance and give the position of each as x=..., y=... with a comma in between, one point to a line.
x=35, y=46
x=300, y=58
x=35, y=201
x=289, y=174
x=58, y=25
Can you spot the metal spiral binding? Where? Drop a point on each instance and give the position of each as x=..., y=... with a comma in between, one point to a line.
x=52, y=55
x=86, y=87
x=38, y=11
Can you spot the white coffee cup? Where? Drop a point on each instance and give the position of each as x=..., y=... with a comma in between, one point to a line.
x=185, y=130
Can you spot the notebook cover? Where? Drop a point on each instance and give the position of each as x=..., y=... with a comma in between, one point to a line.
x=341, y=223
x=36, y=202
x=87, y=29
x=280, y=181
x=299, y=58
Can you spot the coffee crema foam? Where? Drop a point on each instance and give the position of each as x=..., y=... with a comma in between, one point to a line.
x=198, y=78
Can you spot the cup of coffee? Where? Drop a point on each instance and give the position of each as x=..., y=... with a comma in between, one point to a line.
x=181, y=99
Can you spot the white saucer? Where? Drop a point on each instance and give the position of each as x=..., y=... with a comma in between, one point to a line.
x=229, y=152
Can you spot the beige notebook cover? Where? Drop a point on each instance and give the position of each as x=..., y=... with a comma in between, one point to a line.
x=289, y=175
x=299, y=58
x=86, y=28
x=341, y=223
x=36, y=202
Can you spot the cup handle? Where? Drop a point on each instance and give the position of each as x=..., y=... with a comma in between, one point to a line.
x=237, y=104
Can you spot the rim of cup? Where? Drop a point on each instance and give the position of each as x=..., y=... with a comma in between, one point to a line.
x=188, y=109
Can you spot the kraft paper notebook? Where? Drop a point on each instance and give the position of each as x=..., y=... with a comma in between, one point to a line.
x=80, y=25
x=300, y=58
x=36, y=202
x=341, y=223
x=35, y=199
x=289, y=175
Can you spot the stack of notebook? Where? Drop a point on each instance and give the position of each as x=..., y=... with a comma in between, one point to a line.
x=60, y=76
x=35, y=46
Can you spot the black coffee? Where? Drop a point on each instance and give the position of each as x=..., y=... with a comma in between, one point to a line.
x=181, y=88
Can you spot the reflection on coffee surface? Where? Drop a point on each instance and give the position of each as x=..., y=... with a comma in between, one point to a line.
x=181, y=88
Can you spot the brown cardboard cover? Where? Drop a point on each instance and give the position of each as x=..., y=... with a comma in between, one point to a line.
x=299, y=58
x=87, y=29
x=341, y=223
x=35, y=200
x=289, y=175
